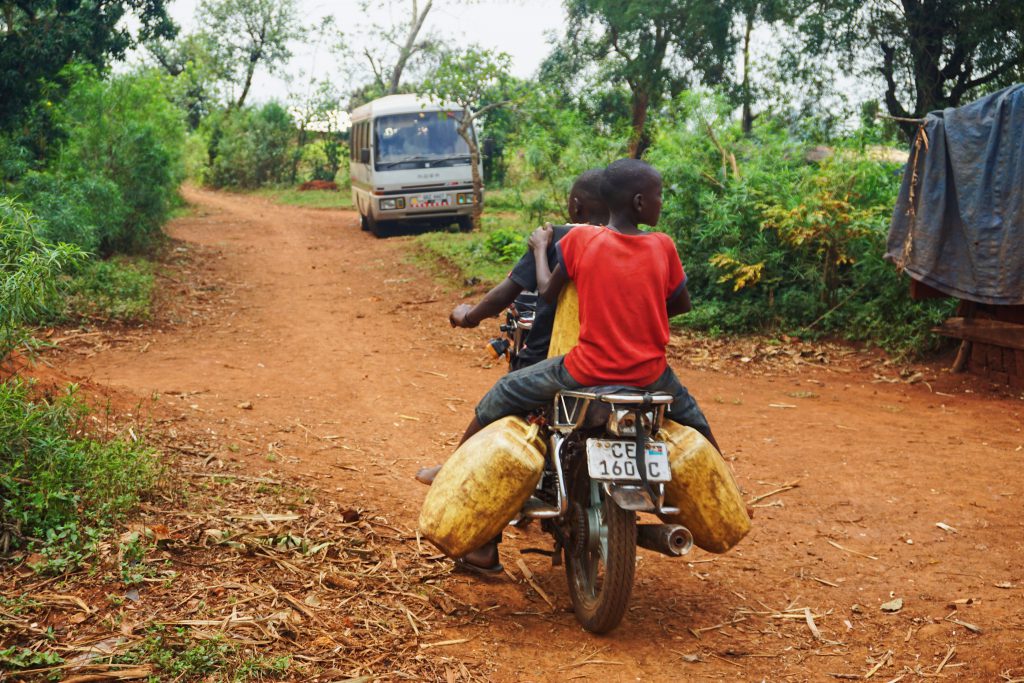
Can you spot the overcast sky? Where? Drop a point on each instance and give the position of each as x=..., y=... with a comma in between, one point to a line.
x=518, y=27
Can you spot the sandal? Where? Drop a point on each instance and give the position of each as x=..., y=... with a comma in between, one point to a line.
x=469, y=568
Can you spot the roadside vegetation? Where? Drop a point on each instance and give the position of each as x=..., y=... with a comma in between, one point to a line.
x=778, y=190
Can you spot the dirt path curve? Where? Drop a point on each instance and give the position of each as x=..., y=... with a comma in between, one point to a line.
x=342, y=347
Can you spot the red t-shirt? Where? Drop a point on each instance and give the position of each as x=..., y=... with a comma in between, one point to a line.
x=624, y=282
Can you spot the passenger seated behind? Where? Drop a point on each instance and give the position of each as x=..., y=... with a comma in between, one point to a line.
x=629, y=283
x=585, y=206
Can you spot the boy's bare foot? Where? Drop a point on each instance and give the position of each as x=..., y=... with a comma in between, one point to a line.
x=483, y=560
x=426, y=474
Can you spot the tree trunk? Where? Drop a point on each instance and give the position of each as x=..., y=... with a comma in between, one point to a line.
x=410, y=45
x=639, y=141
x=748, y=116
x=466, y=132
x=9, y=17
x=297, y=155
x=249, y=71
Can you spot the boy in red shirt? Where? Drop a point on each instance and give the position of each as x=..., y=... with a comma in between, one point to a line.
x=630, y=282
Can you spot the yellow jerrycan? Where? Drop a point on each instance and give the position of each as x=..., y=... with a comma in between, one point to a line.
x=483, y=485
x=704, y=489
x=565, y=331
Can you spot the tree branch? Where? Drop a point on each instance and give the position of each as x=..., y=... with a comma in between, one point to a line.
x=961, y=88
x=887, y=70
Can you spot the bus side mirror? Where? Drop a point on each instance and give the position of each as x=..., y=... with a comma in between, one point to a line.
x=364, y=155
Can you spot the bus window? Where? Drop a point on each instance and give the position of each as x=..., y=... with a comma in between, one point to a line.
x=417, y=138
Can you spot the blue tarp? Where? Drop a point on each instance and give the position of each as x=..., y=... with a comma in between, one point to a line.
x=960, y=227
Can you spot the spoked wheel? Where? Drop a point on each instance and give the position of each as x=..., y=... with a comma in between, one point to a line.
x=601, y=555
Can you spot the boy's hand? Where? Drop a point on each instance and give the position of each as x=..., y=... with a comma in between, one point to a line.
x=459, y=316
x=541, y=237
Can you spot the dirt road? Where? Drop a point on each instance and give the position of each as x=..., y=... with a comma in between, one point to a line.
x=313, y=351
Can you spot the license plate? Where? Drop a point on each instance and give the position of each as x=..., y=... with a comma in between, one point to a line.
x=616, y=460
x=433, y=199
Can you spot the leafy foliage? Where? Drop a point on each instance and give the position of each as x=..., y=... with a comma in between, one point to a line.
x=551, y=146
x=28, y=273
x=931, y=55
x=62, y=490
x=465, y=79
x=780, y=243
x=115, y=289
x=39, y=38
x=178, y=655
x=653, y=47
x=250, y=147
x=124, y=129
x=247, y=34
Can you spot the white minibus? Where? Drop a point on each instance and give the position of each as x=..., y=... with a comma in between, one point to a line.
x=409, y=164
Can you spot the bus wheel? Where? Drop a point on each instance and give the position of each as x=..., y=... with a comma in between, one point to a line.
x=375, y=226
x=465, y=224
x=363, y=223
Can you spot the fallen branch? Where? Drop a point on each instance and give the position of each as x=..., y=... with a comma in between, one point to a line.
x=781, y=489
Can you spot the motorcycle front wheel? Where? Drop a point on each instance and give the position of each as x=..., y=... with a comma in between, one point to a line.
x=601, y=555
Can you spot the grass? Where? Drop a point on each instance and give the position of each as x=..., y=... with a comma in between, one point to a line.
x=120, y=288
x=177, y=655
x=485, y=256
x=62, y=490
x=312, y=199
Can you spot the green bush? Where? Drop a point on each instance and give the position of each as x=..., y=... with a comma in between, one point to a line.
x=29, y=267
x=250, y=148
x=553, y=145
x=116, y=289
x=782, y=244
x=62, y=490
x=80, y=211
x=126, y=131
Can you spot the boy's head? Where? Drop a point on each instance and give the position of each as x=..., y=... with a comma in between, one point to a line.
x=585, y=202
x=632, y=189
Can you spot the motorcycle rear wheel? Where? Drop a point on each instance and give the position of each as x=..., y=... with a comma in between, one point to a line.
x=599, y=571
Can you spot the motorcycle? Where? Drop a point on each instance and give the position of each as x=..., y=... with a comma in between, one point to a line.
x=603, y=466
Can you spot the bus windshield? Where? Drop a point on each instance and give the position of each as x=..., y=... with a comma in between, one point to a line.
x=419, y=140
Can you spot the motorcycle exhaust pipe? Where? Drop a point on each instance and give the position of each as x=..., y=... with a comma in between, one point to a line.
x=668, y=539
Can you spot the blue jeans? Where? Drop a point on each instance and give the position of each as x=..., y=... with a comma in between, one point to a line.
x=521, y=391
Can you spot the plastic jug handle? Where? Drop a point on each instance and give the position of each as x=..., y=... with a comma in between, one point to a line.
x=532, y=433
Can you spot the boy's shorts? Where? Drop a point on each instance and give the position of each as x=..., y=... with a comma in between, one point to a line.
x=519, y=392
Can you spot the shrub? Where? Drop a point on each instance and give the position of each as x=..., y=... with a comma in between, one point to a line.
x=28, y=273
x=61, y=489
x=82, y=211
x=552, y=146
x=126, y=131
x=250, y=148
x=782, y=244
x=115, y=289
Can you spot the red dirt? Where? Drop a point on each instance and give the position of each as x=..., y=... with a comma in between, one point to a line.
x=328, y=185
x=341, y=344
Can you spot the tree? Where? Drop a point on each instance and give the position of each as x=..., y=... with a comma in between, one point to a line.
x=750, y=12
x=317, y=109
x=247, y=34
x=38, y=38
x=190, y=62
x=652, y=46
x=394, y=50
x=465, y=79
x=930, y=54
